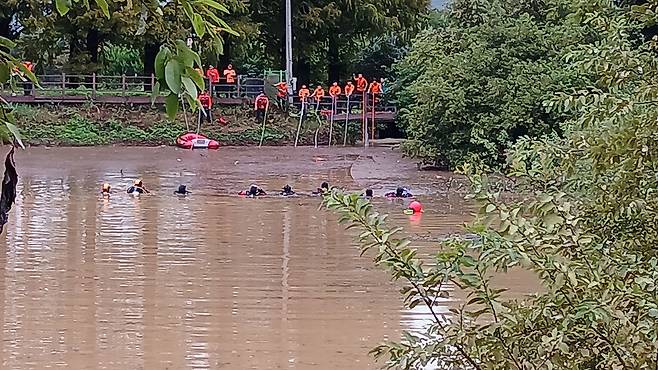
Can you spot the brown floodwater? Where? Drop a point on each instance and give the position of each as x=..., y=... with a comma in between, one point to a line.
x=212, y=280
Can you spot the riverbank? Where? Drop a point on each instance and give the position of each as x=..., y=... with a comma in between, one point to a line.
x=92, y=125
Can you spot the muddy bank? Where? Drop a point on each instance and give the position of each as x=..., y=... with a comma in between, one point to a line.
x=91, y=125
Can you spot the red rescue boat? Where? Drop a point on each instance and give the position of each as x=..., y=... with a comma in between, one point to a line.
x=196, y=141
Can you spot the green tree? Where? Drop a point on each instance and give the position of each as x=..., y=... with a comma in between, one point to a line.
x=584, y=223
x=470, y=87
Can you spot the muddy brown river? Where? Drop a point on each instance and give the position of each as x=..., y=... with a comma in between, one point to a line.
x=212, y=280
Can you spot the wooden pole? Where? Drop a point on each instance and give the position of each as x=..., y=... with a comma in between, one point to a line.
x=347, y=119
x=372, y=131
x=301, y=117
x=331, y=122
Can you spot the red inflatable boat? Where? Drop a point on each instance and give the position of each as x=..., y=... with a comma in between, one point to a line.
x=196, y=141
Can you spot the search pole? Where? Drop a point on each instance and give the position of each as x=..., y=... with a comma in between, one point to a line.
x=289, y=49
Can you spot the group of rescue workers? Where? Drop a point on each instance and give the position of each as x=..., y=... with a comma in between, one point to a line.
x=354, y=92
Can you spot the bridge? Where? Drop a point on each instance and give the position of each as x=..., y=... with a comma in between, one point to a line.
x=136, y=90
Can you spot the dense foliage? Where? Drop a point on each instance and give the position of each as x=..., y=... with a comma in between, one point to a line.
x=476, y=81
x=586, y=227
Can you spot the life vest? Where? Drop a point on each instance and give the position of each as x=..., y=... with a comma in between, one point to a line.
x=361, y=84
x=281, y=89
x=230, y=75
x=375, y=87
x=349, y=89
x=205, y=100
x=334, y=90
x=318, y=93
x=304, y=93
x=213, y=75
x=262, y=101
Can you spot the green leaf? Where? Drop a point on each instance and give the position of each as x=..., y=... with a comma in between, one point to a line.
x=172, y=105
x=4, y=73
x=160, y=60
x=199, y=25
x=490, y=208
x=173, y=76
x=213, y=4
x=196, y=77
x=63, y=6
x=156, y=92
x=104, y=7
x=14, y=131
x=190, y=87
x=7, y=43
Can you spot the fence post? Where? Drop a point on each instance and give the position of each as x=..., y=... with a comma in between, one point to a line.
x=152, y=81
x=93, y=85
x=239, y=83
x=123, y=85
x=63, y=84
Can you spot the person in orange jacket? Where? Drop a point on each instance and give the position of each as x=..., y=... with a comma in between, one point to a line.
x=335, y=90
x=260, y=106
x=27, y=84
x=318, y=94
x=230, y=75
x=361, y=84
x=282, y=95
x=206, y=103
x=213, y=77
x=349, y=91
x=375, y=89
x=304, y=93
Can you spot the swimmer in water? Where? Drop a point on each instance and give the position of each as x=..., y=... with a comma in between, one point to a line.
x=106, y=190
x=137, y=188
x=182, y=190
x=323, y=189
x=287, y=191
x=254, y=191
x=368, y=194
x=400, y=192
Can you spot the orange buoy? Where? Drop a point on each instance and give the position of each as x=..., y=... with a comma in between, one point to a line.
x=416, y=207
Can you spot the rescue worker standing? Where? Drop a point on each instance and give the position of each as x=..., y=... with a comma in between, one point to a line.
x=260, y=106
x=213, y=77
x=318, y=94
x=27, y=85
x=334, y=92
x=361, y=85
x=206, y=103
x=229, y=75
x=282, y=95
x=349, y=91
x=375, y=90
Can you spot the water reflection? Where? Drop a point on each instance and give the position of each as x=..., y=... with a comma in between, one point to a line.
x=205, y=281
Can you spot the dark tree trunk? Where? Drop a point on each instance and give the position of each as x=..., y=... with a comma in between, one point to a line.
x=302, y=72
x=93, y=44
x=226, y=58
x=5, y=29
x=333, y=58
x=148, y=59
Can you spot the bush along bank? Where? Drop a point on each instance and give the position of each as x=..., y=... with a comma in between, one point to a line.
x=94, y=125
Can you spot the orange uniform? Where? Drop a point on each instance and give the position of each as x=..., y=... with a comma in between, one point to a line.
x=213, y=74
x=334, y=90
x=229, y=74
x=318, y=93
x=29, y=66
x=349, y=88
x=361, y=84
x=205, y=100
x=304, y=93
x=375, y=87
x=261, y=102
x=281, y=89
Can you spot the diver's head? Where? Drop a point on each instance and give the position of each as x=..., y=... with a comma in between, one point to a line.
x=287, y=189
x=182, y=189
x=368, y=192
x=253, y=190
x=399, y=192
x=325, y=186
x=106, y=188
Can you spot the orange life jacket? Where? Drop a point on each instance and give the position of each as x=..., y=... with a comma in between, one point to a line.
x=304, y=93
x=349, y=89
x=213, y=75
x=230, y=75
x=375, y=88
x=334, y=91
x=282, y=89
x=262, y=101
x=318, y=93
x=361, y=84
x=205, y=100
